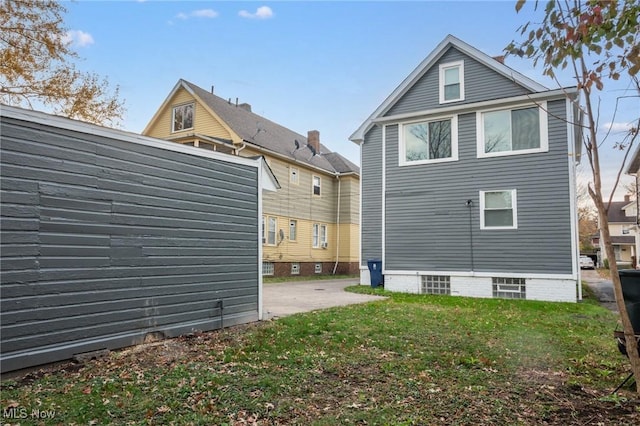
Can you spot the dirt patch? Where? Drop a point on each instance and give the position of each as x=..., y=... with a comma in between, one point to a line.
x=338, y=392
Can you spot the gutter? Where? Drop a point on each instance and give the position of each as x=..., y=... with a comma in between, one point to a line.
x=293, y=160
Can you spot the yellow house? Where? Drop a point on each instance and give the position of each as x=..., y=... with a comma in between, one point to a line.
x=309, y=226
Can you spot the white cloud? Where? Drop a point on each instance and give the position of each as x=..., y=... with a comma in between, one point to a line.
x=616, y=127
x=263, y=12
x=201, y=13
x=204, y=13
x=78, y=38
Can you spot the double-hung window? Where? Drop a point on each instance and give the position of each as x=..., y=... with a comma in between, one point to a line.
x=520, y=130
x=182, y=117
x=429, y=141
x=315, y=238
x=293, y=230
x=452, y=82
x=323, y=235
x=271, y=234
x=498, y=209
x=316, y=185
x=319, y=235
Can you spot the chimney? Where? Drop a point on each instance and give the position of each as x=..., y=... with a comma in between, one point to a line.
x=245, y=106
x=499, y=58
x=212, y=89
x=313, y=139
x=627, y=198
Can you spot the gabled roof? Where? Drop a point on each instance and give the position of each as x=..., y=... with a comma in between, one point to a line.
x=634, y=165
x=263, y=133
x=623, y=239
x=429, y=61
x=617, y=214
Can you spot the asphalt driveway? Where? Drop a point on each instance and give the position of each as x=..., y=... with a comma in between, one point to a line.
x=602, y=288
x=282, y=299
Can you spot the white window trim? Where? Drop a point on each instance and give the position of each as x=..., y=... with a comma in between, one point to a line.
x=313, y=177
x=295, y=268
x=322, y=239
x=268, y=268
x=514, y=209
x=544, y=131
x=173, y=117
x=296, y=230
x=275, y=238
x=443, y=68
x=402, y=155
x=314, y=227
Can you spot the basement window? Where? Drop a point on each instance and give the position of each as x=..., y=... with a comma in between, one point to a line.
x=509, y=288
x=295, y=269
x=268, y=268
x=436, y=284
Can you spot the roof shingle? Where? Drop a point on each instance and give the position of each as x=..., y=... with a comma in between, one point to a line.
x=617, y=215
x=260, y=131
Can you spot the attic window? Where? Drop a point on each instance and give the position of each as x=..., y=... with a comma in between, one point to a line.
x=182, y=117
x=452, y=82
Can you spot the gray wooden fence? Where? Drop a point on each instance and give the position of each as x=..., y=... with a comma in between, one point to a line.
x=107, y=236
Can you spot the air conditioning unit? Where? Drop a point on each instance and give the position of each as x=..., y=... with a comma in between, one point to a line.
x=325, y=245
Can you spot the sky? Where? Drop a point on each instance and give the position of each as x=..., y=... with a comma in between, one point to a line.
x=306, y=65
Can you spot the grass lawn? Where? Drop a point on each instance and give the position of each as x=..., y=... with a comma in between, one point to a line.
x=407, y=360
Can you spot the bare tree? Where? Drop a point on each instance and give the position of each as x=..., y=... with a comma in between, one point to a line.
x=597, y=41
x=36, y=65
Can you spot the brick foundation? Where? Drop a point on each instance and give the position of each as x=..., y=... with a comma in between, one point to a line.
x=283, y=269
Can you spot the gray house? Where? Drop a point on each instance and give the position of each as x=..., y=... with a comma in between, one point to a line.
x=468, y=182
x=108, y=236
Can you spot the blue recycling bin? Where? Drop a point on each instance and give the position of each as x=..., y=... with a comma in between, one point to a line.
x=375, y=271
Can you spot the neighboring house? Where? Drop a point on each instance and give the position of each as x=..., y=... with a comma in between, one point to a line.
x=310, y=226
x=634, y=170
x=468, y=182
x=623, y=218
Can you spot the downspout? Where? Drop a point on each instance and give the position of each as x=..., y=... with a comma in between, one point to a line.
x=244, y=145
x=469, y=204
x=337, y=227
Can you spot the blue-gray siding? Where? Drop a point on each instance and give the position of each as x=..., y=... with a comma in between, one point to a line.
x=371, y=181
x=481, y=84
x=428, y=223
x=105, y=240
